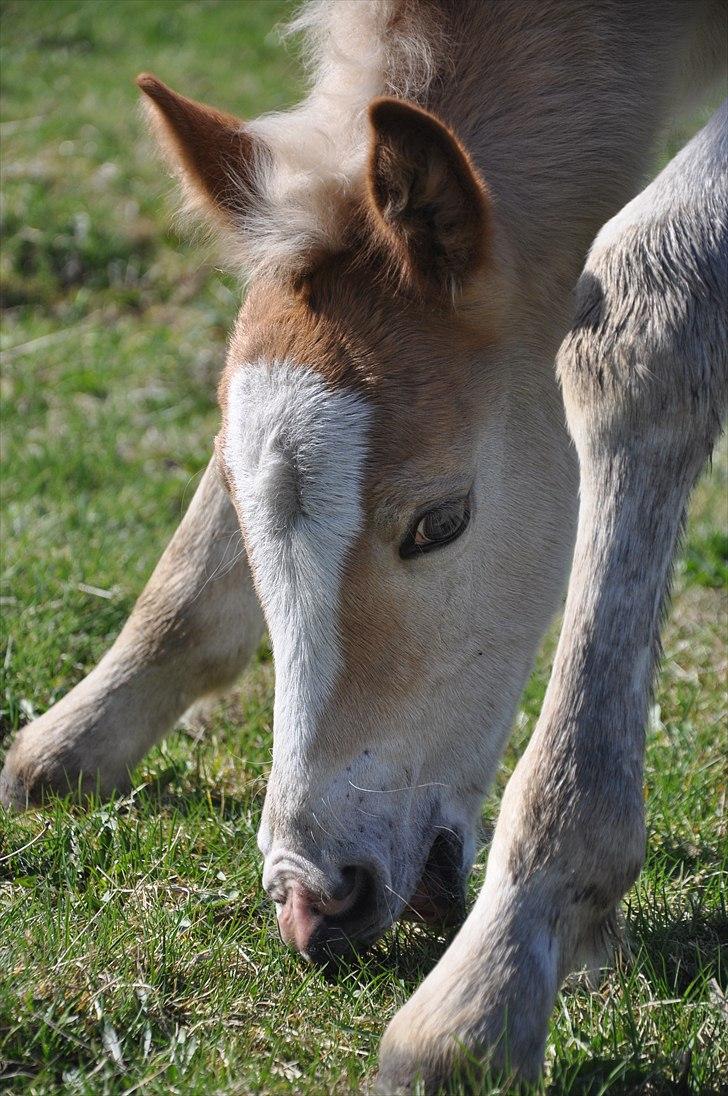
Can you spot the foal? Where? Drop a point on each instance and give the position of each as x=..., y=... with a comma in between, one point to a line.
x=394, y=453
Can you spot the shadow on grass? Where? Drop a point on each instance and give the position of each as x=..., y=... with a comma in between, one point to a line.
x=620, y=1078
x=684, y=953
x=407, y=951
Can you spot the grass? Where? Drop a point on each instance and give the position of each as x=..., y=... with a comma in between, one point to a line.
x=136, y=950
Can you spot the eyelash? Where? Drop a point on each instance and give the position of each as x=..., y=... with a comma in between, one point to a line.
x=409, y=546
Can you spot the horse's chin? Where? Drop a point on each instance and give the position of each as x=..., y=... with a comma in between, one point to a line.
x=439, y=897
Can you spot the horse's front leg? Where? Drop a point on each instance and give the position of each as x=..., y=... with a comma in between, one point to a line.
x=570, y=835
x=644, y=378
x=190, y=634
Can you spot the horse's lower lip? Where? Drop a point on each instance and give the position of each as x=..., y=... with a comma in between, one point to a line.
x=333, y=945
x=439, y=897
x=425, y=909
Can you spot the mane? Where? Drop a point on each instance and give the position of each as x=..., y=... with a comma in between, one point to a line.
x=315, y=153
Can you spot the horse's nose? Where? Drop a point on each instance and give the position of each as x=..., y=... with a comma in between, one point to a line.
x=315, y=923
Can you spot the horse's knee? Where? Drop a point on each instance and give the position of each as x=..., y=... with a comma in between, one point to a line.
x=647, y=352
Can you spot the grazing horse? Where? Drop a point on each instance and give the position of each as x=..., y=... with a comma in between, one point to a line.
x=395, y=456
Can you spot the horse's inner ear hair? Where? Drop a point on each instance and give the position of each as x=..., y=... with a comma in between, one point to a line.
x=426, y=198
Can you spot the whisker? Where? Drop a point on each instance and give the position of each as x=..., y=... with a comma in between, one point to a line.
x=407, y=788
x=220, y=565
x=339, y=822
x=190, y=481
x=231, y=565
x=320, y=823
x=367, y=814
x=408, y=904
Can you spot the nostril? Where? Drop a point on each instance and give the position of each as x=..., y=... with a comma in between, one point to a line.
x=343, y=897
x=351, y=878
x=355, y=899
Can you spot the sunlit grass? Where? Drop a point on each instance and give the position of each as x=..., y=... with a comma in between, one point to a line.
x=136, y=950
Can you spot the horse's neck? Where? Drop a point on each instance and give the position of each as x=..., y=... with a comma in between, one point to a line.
x=559, y=106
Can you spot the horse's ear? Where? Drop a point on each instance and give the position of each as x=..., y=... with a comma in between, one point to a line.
x=426, y=196
x=211, y=151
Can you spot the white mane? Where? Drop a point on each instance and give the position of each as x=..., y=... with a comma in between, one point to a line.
x=356, y=52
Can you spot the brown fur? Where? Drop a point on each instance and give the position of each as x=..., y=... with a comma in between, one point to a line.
x=211, y=148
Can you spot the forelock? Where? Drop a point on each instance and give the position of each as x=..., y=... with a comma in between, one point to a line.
x=312, y=178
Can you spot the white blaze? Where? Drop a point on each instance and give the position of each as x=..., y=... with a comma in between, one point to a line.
x=295, y=449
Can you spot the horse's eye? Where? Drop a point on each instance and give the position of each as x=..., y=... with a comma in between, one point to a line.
x=438, y=527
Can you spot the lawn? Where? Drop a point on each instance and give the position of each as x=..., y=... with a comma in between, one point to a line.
x=137, y=952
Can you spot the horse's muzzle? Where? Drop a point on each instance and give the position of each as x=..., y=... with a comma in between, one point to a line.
x=327, y=914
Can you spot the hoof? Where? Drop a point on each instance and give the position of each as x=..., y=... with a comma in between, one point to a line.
x=441, y=1067
x=404, y=1077
x=420, y=1056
